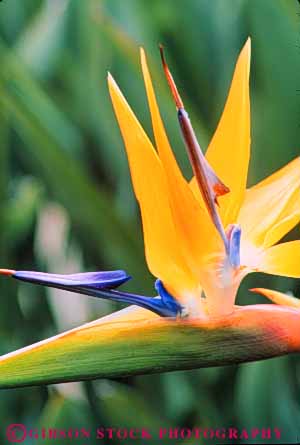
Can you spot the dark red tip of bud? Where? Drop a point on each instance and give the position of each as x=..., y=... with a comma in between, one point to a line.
x=7, y=272
x=169, y=77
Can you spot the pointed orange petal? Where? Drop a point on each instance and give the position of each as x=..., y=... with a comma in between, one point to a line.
x=273, y=206
x=282, y=259
x=192, y=223
x=278, y=297
x=229, y=151
x=161, y=244
x=284, y=225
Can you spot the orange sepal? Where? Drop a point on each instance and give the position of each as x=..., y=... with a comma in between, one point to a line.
x=229, y=150
x=274, y=206
x=162, y=246
x=278, y=297
x=195, y=231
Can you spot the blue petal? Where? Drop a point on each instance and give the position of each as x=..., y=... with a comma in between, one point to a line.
x=235, y=245
x=93, y=280
x=167, y=298
x=154, y=304
x=102, y=285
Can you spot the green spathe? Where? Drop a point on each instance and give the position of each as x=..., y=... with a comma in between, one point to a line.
x=116, y=346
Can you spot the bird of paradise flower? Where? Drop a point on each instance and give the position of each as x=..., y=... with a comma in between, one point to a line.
x=201, y=239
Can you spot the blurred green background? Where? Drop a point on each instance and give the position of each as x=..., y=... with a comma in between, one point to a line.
x=66, y=202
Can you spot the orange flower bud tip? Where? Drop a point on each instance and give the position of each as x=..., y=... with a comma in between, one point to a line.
x=170, y=80
x=7, y=272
